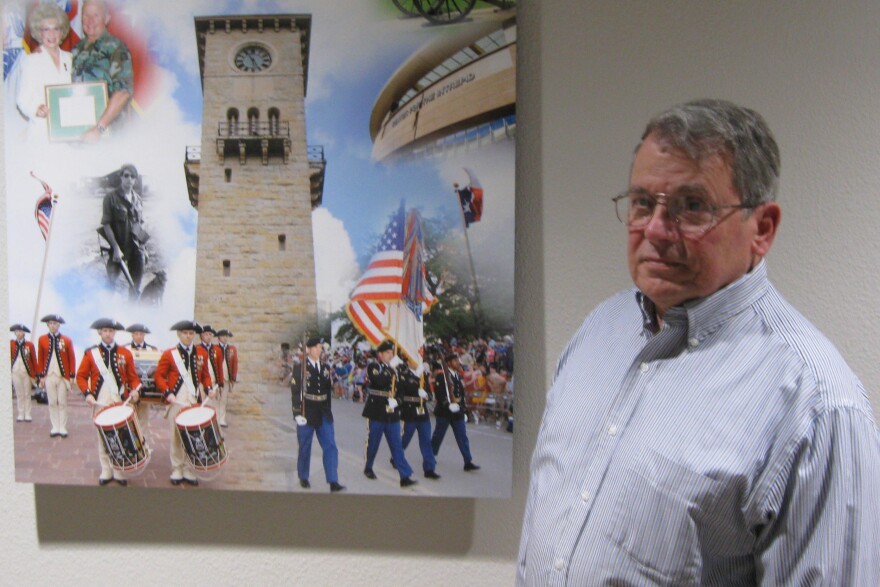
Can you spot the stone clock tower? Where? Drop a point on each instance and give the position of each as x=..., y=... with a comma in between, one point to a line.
x=254, y=183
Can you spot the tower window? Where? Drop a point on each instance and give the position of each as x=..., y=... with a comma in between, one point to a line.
x=228, y=173
x=232, y=121
x=227, y=267
x=253, y=121
x=282, y=242
x=274, y=115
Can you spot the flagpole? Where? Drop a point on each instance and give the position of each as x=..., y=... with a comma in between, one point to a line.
x=475, y=304
x=52, y=215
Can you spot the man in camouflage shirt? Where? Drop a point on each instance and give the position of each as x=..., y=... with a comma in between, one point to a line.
x=102, y=57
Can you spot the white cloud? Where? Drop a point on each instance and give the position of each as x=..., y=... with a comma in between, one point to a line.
x=336, y=268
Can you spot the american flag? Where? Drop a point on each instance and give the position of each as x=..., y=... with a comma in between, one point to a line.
x=391, y=296
x=43, y=209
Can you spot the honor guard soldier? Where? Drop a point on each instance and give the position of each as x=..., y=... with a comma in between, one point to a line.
x=182, y=377
x=229, y=371
x=384, y=414
x=412, y=394
x=137, y=345
x=311, y=409
x=138, y=342
x=24, y=370
x=56, y=367
x=451, y=409
x=106, y=376
x=214, y=357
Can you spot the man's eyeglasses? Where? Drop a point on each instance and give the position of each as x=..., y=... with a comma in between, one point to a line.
x=691, y=213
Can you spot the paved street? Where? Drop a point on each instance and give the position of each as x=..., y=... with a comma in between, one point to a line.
x=74, y=460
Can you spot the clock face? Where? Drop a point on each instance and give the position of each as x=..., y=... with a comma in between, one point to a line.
x=253, y=58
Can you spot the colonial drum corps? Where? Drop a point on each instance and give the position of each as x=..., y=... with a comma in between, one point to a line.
x=189, y=384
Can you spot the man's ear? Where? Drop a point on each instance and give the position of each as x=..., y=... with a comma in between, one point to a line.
x=767, y=217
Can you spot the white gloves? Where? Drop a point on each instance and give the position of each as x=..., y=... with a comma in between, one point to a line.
x=454, y=408
x=301, y=420
x=395, y=362
x=392, y=402
x=423, y=394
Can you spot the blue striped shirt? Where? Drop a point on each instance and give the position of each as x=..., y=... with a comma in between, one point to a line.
x=731, y=446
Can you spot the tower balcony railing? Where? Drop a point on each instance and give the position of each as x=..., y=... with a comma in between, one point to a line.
x=254, y=129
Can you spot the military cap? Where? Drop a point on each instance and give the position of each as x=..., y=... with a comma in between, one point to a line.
x=187, y=325
x=106, y=323
x=15, y=327
x=224, y=332
x=386, y=345
x=52, y=318
x=314, y=341
x=138, y=328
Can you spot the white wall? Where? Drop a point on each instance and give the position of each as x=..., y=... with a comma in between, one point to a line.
x=591, y=75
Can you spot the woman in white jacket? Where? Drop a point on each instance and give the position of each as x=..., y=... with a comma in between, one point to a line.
x=47, y=65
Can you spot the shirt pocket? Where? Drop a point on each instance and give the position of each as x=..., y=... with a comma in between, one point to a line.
x=658, y=515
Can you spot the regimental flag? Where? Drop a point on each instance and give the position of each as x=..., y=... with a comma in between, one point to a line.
x=43, y=209
x=389, y=300
x=476, y=197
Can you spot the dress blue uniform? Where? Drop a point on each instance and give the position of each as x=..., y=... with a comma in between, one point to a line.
x=319, y=420
x=415, y=417
x=384, y=420
x=450, y=390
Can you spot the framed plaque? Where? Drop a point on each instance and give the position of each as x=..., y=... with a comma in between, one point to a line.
x=74, y=109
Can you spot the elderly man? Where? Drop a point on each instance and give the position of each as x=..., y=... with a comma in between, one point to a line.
x=700, y=431
x=122, y=224
x=101, y=57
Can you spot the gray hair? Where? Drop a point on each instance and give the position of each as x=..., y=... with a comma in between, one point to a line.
x=703, y=128
x=44, y=12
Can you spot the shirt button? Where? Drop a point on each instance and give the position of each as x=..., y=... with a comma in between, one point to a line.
x=559, y=564
x=585, y=496
x=693, y=342
x=644, y=367
x=612, y=430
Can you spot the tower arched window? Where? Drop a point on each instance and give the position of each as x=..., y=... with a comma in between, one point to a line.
x=274, y=126
x=232, y=121
x=253, y=121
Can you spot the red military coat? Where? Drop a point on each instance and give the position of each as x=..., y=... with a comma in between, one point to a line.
x=29, y=356
x=167, y=377
x=214, y=356
x=64, y=354
x=90, y=380
x=231, y=358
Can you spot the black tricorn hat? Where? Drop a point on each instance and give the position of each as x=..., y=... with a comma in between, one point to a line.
x=207, y=328
x=106, y=323
x=52, y=318
x=224, y=332
x=15, y=327
x=187, y=325
x=314, y=341
x=386, y=345
x=138, y=328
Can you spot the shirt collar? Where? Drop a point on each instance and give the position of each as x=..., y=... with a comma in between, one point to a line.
x=704, y=315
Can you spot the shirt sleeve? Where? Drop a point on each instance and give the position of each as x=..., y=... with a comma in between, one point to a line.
x=823, y=521
x=121, y=71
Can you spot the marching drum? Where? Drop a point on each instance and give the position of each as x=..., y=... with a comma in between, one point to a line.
x=118, y=427
x=201, y=437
